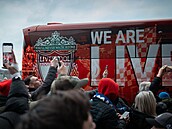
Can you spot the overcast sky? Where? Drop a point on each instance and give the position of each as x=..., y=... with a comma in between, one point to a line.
x=15, y=15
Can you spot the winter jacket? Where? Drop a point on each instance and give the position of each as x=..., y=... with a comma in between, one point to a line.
x=155, y=87
x=16, y=105
x=3, y=100
x=121, y=106
x=138, y=120
x=105, y=115
x=45, y=88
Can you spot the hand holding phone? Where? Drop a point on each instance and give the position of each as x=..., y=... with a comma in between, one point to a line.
x=125, y=115
x=169, y=69
x=8, y=55
x=105, y=73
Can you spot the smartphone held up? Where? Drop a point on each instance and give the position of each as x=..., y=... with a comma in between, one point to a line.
x=169, y=69
x=59, y=61
x=7, y=52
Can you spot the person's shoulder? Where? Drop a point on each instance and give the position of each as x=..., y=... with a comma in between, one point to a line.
x=167, y=100
x=139, y=115
x=99, y=103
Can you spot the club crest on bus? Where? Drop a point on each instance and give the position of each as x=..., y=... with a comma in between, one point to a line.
x=54, y=46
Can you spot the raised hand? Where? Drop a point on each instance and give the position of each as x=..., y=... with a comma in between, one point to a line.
x=62, y=69
x=54, y=62
x=161, y=71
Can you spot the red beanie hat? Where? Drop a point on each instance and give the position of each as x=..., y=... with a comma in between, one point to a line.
x=109, y=88
x=5, y=87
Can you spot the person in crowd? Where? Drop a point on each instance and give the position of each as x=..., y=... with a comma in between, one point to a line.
x=164, y=95
x=165, y=104
x=4, y=90
x=103, y=106
x=63, y=110
x=144, y=107
x=76, y=82
x=144, y=86
x=17, y=100
x=68, y=83
x=32, y=82
x=161, y=107
x=146, y=98
x=156, y=83
x=38, y=88
x=64, y=82
x=162, y=121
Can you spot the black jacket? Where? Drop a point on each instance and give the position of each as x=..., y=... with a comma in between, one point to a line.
x=16, y=105
x=138, y=120
x=45, y=88
x=155, y=87
x=3, y=100
x=105, y=116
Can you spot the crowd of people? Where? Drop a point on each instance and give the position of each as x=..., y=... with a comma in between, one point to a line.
x=61, y=102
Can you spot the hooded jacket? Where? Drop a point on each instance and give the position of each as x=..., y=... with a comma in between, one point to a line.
x=16, y=105
x=109, y=88
x=102, y=108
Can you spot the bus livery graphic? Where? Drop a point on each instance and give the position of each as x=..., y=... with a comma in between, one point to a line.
x=133, y=50
x=53, y=46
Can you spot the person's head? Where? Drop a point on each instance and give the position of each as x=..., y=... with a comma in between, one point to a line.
x=161, y=107
x=61, y=84
x=64, y=110
x=144, y=86
x=145, y=102
x=68, y=83
x=32, y=81
x=162, y=121
x=109, y=88
x=164, y=95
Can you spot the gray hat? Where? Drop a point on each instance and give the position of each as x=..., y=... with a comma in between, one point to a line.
x=163, y=120
x=74, y=80
x=78, y=83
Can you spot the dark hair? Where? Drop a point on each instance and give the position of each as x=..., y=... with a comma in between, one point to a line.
x=161, y=107
x=27, y=80
x=64, y=110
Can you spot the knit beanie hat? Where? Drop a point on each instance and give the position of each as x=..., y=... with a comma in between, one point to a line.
x=144, y=86
x=5, y=87
x=163, y=95
x=109, y=88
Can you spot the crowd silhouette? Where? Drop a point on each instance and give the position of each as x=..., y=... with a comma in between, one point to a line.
x=60, y=102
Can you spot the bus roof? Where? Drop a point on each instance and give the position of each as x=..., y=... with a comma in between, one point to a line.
x=60, y=26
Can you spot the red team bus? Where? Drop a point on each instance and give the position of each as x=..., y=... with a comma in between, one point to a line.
x=133, y=50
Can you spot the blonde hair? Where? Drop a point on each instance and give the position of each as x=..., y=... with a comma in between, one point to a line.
x=145, y=102
x=144, y=86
